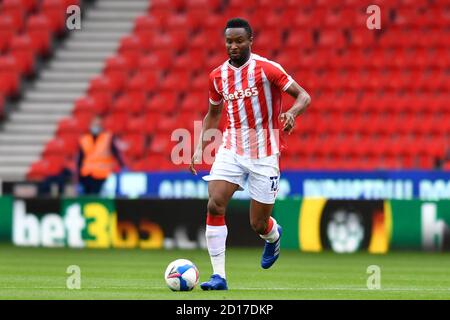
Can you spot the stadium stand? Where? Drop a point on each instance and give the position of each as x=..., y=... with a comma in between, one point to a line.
x=380, y=97
x=41, y=80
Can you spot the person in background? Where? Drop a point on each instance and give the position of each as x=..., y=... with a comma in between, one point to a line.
x=97, y=158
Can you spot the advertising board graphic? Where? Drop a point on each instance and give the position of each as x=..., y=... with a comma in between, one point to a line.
x=309, y=225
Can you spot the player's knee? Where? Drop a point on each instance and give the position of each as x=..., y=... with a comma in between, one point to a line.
x=258, y=225
x=215, y=208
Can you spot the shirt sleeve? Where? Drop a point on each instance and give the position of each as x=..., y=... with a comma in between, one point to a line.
x=279, y=77
x=214, y=96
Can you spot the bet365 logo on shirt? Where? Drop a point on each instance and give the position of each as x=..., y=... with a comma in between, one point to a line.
x=241, y=94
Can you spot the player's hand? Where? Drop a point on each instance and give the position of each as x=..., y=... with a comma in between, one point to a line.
x=196, y=158
x=288, y=121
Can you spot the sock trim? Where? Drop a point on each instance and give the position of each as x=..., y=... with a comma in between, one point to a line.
x=215, y=220
x=269, y=226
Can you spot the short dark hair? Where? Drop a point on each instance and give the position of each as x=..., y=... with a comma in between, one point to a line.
x=239, y=23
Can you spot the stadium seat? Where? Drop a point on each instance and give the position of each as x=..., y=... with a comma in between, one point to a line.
x=21, y=48
x=139, y=125
x=116, y=122
x=38, y=29
x=130, y=48
x=73, y=125
x=165, y=101
x=191, y=60
x=116, y=70
x=176, y=79
x=133, y=145
x=379, y=96
x=30, y=5
x=47, y=166
x=159, y=59
x=61, y=145
x=7, y=31
x=55, y=11
x=131, y=103
x=145, y=28
x=101, y=92
x=16, y=10
x=9, y=76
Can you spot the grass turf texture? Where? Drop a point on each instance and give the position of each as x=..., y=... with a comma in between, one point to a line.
x=40, y=273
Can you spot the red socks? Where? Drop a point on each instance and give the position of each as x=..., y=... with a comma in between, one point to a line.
x=214, y=220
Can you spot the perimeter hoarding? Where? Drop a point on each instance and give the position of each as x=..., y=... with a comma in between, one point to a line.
x=121, y=223
x=314, y=225
x=310, y=225
x=337, y=185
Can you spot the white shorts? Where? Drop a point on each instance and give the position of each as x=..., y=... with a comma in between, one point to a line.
x=263, y=174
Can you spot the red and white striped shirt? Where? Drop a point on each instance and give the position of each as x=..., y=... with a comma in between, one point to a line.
x=252, y=98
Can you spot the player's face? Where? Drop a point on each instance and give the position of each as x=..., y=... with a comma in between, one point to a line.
x=238, y=43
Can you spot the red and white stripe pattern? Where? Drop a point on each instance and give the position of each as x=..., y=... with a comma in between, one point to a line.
x=252, y=99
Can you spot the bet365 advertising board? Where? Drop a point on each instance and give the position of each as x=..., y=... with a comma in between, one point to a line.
x=310, y=225
x=106, y=223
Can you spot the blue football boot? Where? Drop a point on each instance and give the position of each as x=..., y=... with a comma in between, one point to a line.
x=215, y=283
x=271, y=252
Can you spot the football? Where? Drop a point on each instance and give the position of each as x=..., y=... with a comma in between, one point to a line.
x=181, y=275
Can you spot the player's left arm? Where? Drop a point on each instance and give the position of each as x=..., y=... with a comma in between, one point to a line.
x=302, y=101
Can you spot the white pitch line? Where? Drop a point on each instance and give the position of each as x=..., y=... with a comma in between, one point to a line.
x=247, y=289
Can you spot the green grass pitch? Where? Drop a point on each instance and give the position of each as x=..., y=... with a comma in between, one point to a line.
x=38, y=273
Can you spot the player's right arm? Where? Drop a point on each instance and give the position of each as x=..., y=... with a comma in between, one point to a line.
x=210, y=121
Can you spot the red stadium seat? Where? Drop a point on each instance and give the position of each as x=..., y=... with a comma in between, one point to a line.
x=177, y=22
x=193, y=60
x=139, y=125
x=176, y=80
x=131, y=103
x=55, y=11
x=116, y=70
x=214, y=61
x=300, y=38
x=61, y=146
x=130, y=48
x=48, y=166
x=22, y=50
x=145, y=28
x=116, y=122
x=72, y=125
x=167, y=125
x=379, y=96
x=9, y=76
x=200, y=82
x=195, y=101
x=16, y=10
x=161, y=143
x=29, y=5
x=165, y=101
x=7, y=31
x=38, y=28
x=133, y=145
x=159, y=59
x=100, y=91
x=86, y=107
